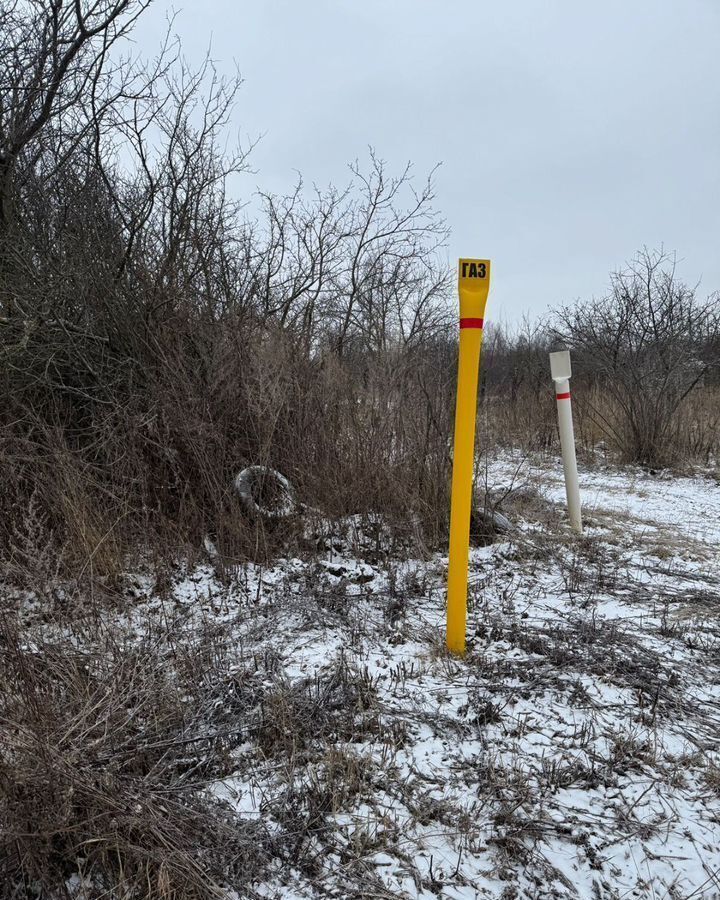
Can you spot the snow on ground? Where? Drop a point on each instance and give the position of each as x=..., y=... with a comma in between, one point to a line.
x=573, y=752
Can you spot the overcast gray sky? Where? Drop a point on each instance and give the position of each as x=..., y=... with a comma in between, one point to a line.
x=570, y=133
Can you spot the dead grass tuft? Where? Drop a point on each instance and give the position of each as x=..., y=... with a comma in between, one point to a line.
x=105, y=757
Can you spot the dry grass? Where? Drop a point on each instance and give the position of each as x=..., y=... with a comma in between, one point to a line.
x=110, y=744
x=105, y=750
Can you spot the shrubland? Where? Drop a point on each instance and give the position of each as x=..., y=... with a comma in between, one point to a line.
x=155, y=339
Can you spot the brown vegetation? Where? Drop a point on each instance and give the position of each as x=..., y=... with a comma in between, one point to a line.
x=153, y=342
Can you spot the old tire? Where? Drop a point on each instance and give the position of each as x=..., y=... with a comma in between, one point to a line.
x=265, y=493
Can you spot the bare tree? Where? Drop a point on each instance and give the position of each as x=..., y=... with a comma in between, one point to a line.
x=357, y=267
x=57, y=71
x=651, y=342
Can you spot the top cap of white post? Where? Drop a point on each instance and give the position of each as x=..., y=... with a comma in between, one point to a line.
x=560, y=365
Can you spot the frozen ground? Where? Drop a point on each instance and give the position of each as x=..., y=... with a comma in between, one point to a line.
x=573, y=752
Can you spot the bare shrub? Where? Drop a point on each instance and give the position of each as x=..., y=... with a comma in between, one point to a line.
x=649, y=345
x=646, y=363
x=154, y=343
x=516, y=407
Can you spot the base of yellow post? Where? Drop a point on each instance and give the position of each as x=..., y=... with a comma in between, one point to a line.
x=456, y=642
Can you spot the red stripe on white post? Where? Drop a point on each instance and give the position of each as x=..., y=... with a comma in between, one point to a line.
x=565, y=396
x=471, y=323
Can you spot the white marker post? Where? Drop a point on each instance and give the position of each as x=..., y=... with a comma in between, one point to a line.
x=561, y=372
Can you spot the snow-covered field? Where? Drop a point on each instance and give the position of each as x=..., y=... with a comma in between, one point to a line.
x=573, y=752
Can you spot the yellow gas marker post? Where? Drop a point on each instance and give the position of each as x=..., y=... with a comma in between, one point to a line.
x=473, y=287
